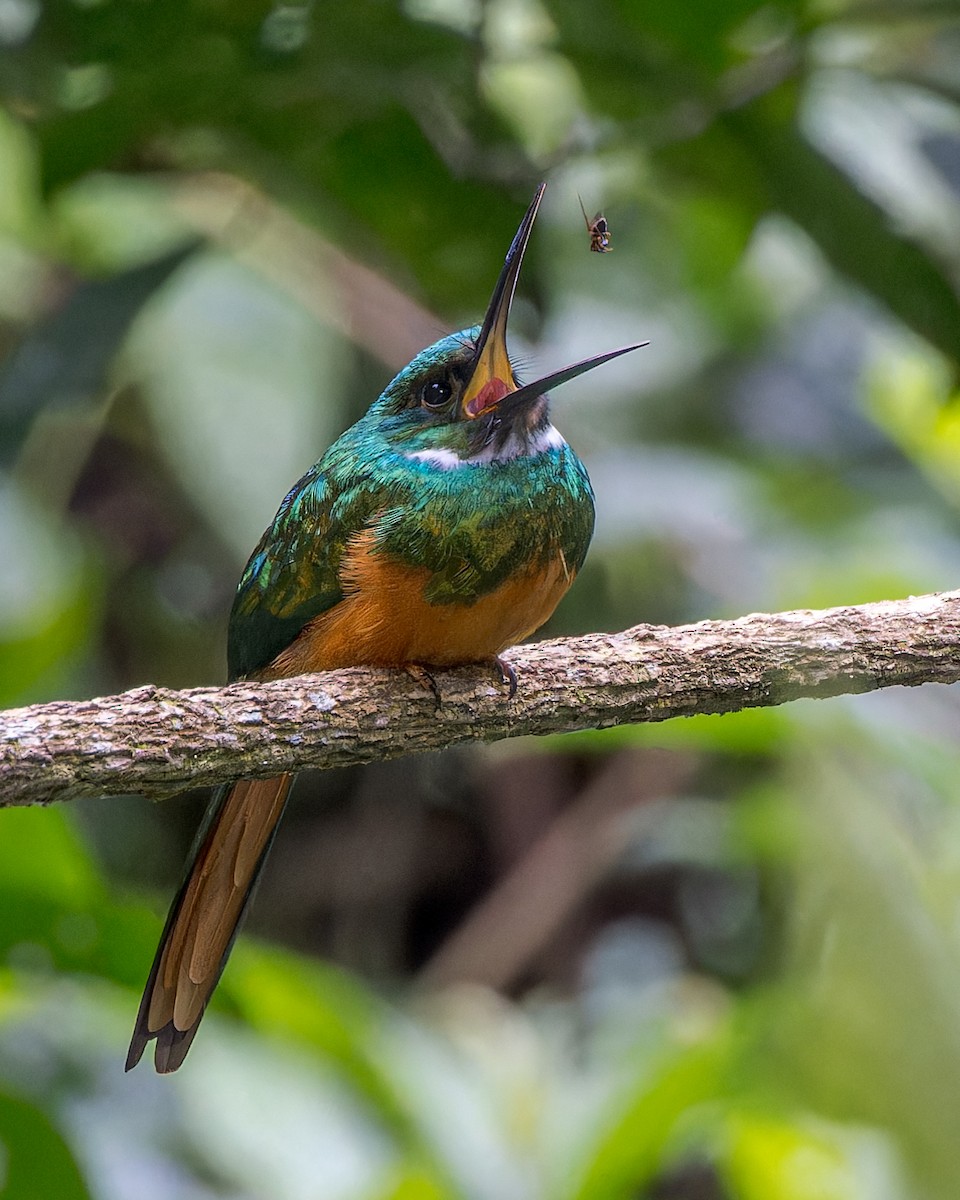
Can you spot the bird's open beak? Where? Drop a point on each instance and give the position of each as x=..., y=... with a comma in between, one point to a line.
x=492, y=378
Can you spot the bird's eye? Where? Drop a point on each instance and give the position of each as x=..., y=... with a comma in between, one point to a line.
x=435, y=394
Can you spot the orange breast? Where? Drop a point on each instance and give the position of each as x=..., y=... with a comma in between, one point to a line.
x=384, y=620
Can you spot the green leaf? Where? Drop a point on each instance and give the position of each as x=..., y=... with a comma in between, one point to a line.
x=632, y=1145
x=35, y=1161
x=856, y=235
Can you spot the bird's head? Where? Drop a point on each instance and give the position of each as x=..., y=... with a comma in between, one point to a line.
x=459, y=400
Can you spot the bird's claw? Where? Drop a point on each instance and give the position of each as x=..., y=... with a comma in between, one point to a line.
x=422, y=676
x=507, y=675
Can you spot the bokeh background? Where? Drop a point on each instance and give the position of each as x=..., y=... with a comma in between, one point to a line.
x=715, y=959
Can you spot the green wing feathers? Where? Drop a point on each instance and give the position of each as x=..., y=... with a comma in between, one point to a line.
x=293, y=574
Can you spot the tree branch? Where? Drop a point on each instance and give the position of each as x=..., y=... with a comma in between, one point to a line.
x=156, y=741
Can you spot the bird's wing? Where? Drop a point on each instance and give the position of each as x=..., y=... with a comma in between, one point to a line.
x=293, y=574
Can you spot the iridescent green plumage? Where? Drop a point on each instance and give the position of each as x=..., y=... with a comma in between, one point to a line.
x=472, y=526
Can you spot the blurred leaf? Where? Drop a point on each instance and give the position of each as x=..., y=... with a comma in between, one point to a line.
x=35, y=837
x=637, y=1131
x=314, y=1005
x=322, y=1009
x=908, y=393
x=372, y=122
x=35, y=1161
x=259, y=386
x=756, y=155
x=65, y=358
x=20, y=209
x=862, y=1028
x=413, y=1184
x=853, y=232
x=774, y=1160
x=440, y=226
x=36, y=660
x=110, y=223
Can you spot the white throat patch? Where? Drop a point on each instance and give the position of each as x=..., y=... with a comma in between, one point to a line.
x=448, y=460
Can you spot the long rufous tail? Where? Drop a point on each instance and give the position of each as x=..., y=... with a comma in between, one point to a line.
x=205, y=915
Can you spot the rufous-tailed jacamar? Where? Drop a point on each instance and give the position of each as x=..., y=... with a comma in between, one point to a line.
x=443, y=527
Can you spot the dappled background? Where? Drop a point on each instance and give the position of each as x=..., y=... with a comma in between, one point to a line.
x=715, y=959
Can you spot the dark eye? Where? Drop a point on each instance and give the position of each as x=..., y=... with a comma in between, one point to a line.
x=435, y=394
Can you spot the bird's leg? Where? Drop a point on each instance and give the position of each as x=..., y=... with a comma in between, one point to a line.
x=507, y=674
x=419, y=673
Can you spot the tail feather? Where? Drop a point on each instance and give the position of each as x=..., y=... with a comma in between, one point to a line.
x=205, y=916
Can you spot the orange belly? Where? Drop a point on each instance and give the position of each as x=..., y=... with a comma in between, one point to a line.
x=384, y=620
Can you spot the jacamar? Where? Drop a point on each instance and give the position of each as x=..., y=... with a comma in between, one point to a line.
x=443, y=527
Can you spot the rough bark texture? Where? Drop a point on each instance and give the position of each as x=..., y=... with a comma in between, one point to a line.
x=155, y=741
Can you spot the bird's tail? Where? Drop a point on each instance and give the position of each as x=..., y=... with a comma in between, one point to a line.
x=227, y=857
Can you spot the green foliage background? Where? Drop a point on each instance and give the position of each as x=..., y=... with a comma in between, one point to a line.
x=223, y=225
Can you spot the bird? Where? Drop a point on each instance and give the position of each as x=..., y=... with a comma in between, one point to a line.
x=440, y=529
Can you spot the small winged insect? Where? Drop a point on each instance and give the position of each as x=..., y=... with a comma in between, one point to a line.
x=599, y=231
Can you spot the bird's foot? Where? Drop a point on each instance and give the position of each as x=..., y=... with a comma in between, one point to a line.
x=421, y=675
x=507, y=675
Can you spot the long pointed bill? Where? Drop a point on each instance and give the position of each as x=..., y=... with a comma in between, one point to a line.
x=492, y=376
x=492, y=381
x=530, y=391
